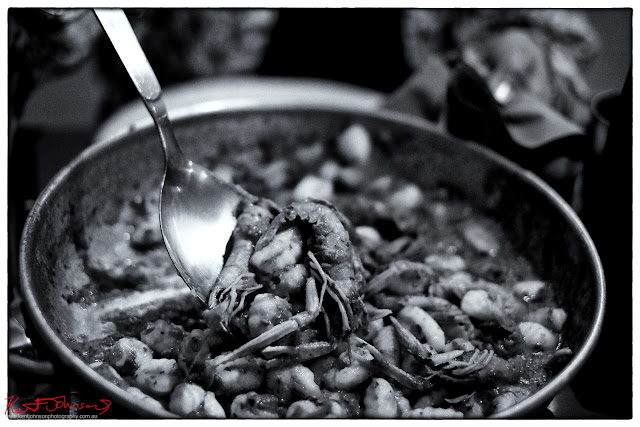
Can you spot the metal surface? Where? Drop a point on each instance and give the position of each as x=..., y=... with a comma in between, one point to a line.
x=541, y=222
x=197, y=209
x=222, y=92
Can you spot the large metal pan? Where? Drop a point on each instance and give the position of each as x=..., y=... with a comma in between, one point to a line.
x=540, y=223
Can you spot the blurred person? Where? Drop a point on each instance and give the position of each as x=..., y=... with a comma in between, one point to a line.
x=511, y=79
x=190, y=44
x=181, y=45
x=44, y=44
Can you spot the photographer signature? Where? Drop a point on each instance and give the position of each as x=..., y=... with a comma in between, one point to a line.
x=52, y=404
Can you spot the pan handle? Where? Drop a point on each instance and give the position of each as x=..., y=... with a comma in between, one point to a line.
x=18, y=343
x=19, y=363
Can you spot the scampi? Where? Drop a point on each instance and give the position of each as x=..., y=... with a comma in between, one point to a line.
x=310, y=239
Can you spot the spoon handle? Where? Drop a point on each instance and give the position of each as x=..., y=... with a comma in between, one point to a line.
x=125, y=42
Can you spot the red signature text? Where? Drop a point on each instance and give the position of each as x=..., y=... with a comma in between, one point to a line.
x=52, y=404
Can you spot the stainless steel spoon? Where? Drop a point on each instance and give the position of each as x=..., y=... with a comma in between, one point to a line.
x=196, y=208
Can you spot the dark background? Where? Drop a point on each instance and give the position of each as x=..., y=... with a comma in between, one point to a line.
x=360, y=46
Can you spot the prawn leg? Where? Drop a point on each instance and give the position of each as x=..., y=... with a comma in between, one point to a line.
x=282, y=356
x=409, y=341
x=452, y=369
x=299, y=321
x=302, y=352
x=391, y=371
x=479, y=360
x=402, y=277
x=424, y=351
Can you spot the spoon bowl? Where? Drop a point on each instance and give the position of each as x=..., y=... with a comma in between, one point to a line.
x=196, y=207
x=197, y=219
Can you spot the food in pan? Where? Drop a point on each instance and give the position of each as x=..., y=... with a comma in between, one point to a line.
x=347, y=291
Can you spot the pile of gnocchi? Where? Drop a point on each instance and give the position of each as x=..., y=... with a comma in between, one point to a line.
x=349, y=292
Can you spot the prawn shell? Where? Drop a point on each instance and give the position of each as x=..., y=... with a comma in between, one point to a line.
x=330, y=244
